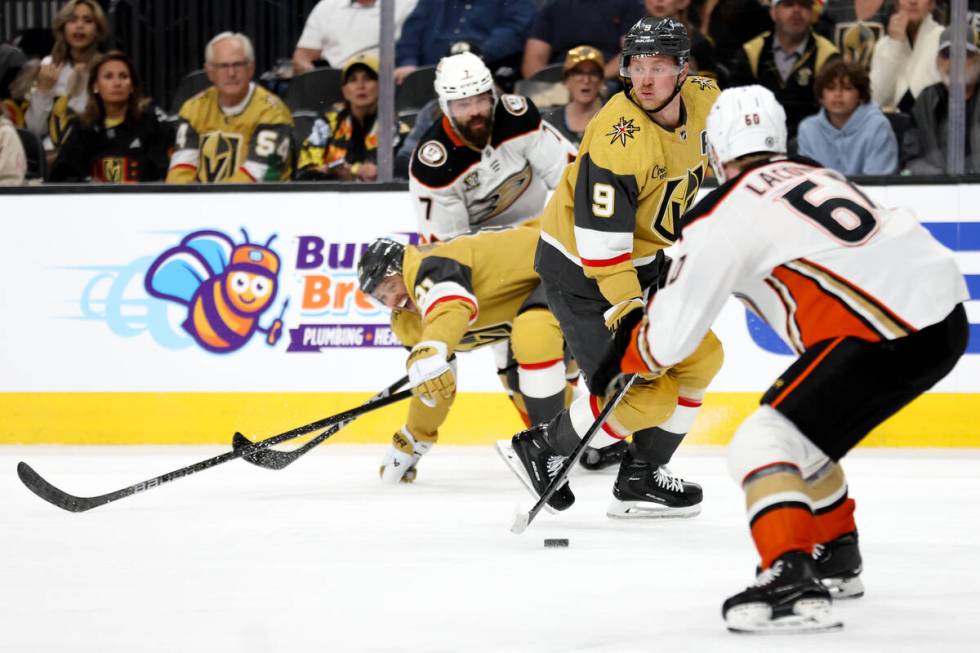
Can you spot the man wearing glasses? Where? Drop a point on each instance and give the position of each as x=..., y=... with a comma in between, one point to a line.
x=234, y=131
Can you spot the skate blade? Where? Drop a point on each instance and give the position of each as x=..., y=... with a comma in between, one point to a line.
x=506, y=452
x=642, y=510
x=810, y=616
x=844, y=588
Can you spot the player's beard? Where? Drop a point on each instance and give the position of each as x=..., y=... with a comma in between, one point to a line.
x=478, y=136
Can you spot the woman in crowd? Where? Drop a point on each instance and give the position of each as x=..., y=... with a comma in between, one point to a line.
x=583, y=79
x=58, y=87
x=118, y=138
x=904, y=59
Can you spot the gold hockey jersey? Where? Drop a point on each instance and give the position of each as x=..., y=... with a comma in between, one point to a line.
x=621, y=202
x=211, y=145
x=468, y=290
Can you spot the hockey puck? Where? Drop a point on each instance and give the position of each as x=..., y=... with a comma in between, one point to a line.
x=556, y=543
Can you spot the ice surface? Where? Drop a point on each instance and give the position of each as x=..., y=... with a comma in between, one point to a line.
x=322, y=557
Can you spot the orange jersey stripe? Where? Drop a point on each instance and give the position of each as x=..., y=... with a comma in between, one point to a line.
x=836, y=522
x=819, y=315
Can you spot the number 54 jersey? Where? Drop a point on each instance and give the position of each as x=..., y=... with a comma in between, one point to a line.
x=808, y=252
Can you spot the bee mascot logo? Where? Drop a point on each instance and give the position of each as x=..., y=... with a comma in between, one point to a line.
x=225, y=287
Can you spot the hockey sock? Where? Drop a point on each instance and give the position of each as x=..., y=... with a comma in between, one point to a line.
x=657, y=445
x=542, y=409
x=832, y=509
x=779, y=511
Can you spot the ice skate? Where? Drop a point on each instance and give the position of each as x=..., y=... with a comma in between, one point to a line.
x=786, y=598
x=535, y=463
x=839, y=566
x=645, y=491
x=603, y=457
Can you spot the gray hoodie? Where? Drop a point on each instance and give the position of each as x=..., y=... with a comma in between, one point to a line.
x=865, y=145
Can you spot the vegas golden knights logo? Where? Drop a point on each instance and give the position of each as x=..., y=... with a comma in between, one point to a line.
x=219, y=155
x=679, y=194
x=112, y=169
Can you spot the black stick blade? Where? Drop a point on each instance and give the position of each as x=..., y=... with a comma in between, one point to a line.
x=36, y=484
x=267, y=458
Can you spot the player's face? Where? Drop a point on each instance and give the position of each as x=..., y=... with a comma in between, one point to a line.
x=793, y=18
x=393, y=294
x=361, y=90
x=80, y=30
x=840, y=98
x=584, y=82
x=654, y=79
x=230, y=70
x=114, y=84
x=472, y=116
x=660, y=8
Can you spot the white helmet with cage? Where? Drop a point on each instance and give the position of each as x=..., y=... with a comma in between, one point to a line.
x=744, y=120
x=461, y=76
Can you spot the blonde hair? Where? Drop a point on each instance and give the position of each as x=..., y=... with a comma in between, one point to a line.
x=61, y=52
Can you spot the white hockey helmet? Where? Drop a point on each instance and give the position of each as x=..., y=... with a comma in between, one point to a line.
x=461, y=76
x=744, y=120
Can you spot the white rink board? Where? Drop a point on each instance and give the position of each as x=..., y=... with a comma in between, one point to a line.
x=73, y=298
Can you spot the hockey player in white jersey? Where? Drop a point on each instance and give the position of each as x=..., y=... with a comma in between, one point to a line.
x=489, y=162
x=868, y=300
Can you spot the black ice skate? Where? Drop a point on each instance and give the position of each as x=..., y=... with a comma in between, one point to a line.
x=839, y=566
x=786, y=598
x=596, y=459
x=643, y=491
x=535, y=463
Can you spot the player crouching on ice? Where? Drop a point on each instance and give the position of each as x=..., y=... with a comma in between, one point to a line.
x=864, y=295
x=471, y=291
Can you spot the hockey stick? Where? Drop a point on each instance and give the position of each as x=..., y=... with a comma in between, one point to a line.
x=273, y=459
x=523, y=520
x=36, y=484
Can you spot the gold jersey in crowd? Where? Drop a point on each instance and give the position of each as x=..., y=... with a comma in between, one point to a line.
x=248, y=145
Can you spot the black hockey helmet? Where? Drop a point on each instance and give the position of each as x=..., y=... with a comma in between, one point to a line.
x=652, y=36
x=382, y=259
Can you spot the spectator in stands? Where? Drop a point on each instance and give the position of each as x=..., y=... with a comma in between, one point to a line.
x=58, y=86
x=729, y=24
x=786, y=60
x=11, y=61
x=850, y=134
x=702, y=61
x=499, y=26
x=931, y=112
x=235, y=131
x=343, y=144
x=13, y=162
x=118, y=139
x=564, y=24
x=584, y=72
x=904, y=59
x=856, y=26
x=336, y=30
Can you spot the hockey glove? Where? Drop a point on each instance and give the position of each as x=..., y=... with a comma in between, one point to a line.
x=430, y=375
x=615, y=314
x=398, y=464
x=609, y=376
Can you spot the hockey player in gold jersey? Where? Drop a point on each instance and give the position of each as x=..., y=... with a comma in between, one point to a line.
x=235, y=131
x=640, y=164
x=471, y=291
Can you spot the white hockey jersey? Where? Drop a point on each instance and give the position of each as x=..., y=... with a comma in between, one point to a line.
x=810, y=254
x=457, y=189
